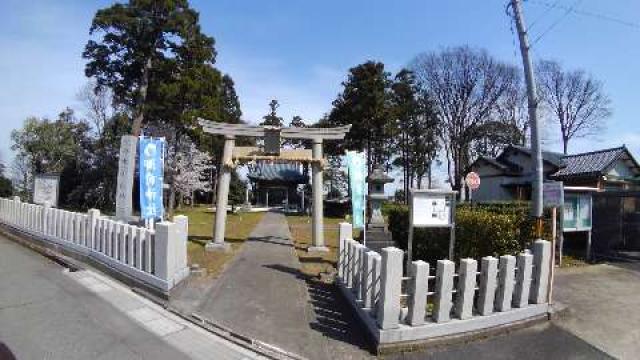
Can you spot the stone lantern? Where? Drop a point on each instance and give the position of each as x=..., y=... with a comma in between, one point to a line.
x=377, y=236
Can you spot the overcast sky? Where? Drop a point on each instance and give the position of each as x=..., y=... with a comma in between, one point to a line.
x=299, y=51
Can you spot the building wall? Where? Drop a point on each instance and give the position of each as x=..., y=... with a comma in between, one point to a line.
x=491, y=189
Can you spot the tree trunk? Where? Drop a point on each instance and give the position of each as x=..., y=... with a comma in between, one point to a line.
x=565, y=145
x=144, y=84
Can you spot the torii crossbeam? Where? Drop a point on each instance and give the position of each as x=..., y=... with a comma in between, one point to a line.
x=231, y=131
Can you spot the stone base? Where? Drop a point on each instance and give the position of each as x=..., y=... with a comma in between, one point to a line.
x=318, y=249
x=220, y=247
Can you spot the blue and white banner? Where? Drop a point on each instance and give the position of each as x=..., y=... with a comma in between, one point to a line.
x=151, y=177
x=357, y=167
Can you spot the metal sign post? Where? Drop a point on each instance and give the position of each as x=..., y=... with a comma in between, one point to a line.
x=431, y=209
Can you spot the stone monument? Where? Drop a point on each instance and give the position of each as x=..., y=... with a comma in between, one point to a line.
x=126, y=170
x=377, y=236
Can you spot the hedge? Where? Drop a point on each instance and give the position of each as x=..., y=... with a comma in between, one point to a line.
x=481, y=230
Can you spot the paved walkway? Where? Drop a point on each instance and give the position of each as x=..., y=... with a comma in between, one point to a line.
x=47, y=312
x=603, y=306
x=262, y=295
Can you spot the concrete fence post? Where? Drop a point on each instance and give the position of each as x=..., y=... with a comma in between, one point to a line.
x=370, y=279
x=504, y=297
x=488, y=273
x=524, y=264
x=92, y=223
x=377, y=269
x=388, y=311
x=541, y=258
x=444, y=290
x=182, y=224
x=16, y=210
x=466, y=288
x=352, y=266
x=44, y=220
x=362, y=250
x=345, y=234
x=165, y=247
x=418, y=287
x=357, y=270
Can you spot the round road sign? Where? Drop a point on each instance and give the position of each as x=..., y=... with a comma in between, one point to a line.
x=473, y=180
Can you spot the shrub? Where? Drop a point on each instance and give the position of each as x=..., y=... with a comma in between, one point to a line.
x=481, y=230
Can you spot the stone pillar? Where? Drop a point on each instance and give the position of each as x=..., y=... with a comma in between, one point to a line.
x=444, y=290
x=504, y=296
x=388, y=312
x=165, y=249
x=466, y=288
x=345, y=234
x=524, y=264
x=126, y=170
x=488, y=283
x=318, y=227
x=540, y=282
x=94, y=215
x=419, y=286
x=222, y=197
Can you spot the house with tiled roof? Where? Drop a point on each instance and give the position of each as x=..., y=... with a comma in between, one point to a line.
x=508, y=176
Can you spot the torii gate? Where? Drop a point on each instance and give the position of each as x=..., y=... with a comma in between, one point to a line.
x=232, y=155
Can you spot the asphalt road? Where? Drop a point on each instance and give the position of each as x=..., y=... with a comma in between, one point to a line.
x=544, y=341
x=46, y=314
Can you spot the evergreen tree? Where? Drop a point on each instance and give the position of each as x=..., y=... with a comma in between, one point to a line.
x=272, y=118
x=142, y=44
x=364, y=103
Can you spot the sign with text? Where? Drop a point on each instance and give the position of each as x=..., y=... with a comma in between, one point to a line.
x=45, y=189
x=151, y=177
x=357, y=168
x=126, y=170
x=553, y=194
x=432, y=209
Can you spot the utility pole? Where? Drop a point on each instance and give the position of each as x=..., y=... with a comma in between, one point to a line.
x=532, y=97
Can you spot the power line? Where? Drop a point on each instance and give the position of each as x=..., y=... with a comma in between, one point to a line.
x=549, y=8
x=635, y=25
x=566, y=13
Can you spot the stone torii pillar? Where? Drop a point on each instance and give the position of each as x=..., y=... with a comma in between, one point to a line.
x=317, y=184
x=222, y=199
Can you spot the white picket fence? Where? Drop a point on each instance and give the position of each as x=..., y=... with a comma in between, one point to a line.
x=155, y=258
x=429, y=303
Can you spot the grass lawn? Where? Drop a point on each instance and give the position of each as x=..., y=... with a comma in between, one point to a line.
x=316, y=263
x=238, y=228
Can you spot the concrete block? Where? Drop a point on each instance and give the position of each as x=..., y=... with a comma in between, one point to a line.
x=506, y=273
x=524, y=263
x=444, y=288
x=541, y=259
x=488, y=284
x=418, y=287
x=466, y=288
x=390, y=288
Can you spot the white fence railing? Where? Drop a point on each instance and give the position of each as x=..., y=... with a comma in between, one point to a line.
x=156, y=258
x=428, y=302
